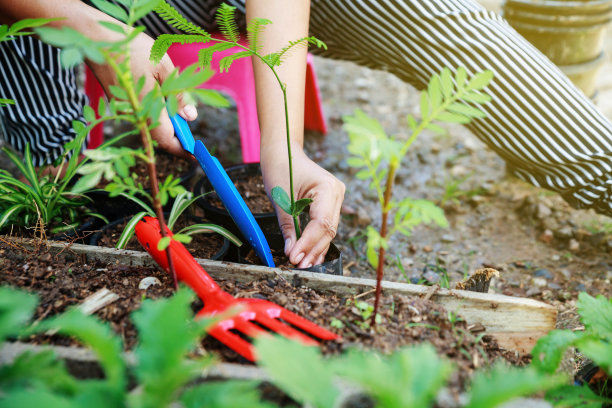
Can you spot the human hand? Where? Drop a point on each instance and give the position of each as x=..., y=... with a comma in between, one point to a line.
x=154, y=74
x=310, y=181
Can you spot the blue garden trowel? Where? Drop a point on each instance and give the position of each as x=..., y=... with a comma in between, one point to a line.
x=225, y=189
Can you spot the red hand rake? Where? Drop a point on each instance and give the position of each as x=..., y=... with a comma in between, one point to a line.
x=254, y=315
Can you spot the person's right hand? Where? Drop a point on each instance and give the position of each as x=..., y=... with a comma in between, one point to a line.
x=310, y=181
x=154, y=74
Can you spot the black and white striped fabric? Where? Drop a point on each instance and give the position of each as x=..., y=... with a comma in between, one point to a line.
x=550, y=134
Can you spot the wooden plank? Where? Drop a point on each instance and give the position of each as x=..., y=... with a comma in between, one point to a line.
x=84, y=364
x=515, y=322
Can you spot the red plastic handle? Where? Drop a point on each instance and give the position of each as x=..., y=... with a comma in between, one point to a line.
x=186, y=267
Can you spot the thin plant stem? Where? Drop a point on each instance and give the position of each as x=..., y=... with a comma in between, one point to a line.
x=146, y=138
x=383, y=234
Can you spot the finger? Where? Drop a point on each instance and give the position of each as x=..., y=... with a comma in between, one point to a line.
x=313, y=243
x=285, y=222
x=164, y=135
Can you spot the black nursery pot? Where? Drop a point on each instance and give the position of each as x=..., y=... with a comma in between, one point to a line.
x=95, y=238
x=119, y=206
x=267, y=220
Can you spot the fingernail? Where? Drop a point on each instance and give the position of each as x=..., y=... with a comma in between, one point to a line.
x=190, y=112
x=287, y=245
x=299, y=258
x=309, y=266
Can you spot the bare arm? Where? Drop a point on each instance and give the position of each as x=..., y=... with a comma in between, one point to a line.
x=83, y=18
x=291, y=23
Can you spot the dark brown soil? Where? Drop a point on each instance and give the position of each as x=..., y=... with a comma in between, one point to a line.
x=61, y=281
x=201, y=246
x=251, y=188
x=165, y=165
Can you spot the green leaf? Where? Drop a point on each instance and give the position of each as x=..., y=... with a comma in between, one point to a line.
x=16, y=309
x=87, y=183
x=98, y=336
x=424, y=104
x=446, y=82
x=466, y=110
x=37, y=369
x=128, y=231
x=476, y=97
x=411, y=377
x=596, y=314
x=597, y=350
x=71, y=57
x=111, y=9
x=118, y=92
x=6, y=215
x=363, y=174
x=222, y=394
x=281, y=198
x=460, y=77
x=452, y=118
x=168, y=332
x=299, y=206
x=355, y=162
x=211, y=97
x=503, y=383
x=34, y=397
x=480, y=80
x=435, y=92
x=549, y=350
x=207, y=228
x=312, y=383
x=569, y=396
x=226, y=62
x=163, y=243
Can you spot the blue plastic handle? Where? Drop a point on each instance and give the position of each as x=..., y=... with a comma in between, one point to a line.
x=225, y=189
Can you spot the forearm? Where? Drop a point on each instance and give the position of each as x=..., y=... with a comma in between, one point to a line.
x=73, y=13
x=288, y=24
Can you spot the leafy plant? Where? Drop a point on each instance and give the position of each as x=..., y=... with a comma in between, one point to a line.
x=183, y=201
x=595, y=342
x=45, y=201
x=164, y=366
x=226, y=21
x=446, y=99
x=125, y=105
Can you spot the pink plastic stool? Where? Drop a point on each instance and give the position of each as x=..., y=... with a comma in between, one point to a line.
x=239, y=84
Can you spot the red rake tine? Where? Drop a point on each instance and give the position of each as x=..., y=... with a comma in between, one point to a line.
x=255, y=315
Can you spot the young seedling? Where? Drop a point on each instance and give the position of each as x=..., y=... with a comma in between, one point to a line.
x=125, y=105
x=446, y=99
x=231, y=36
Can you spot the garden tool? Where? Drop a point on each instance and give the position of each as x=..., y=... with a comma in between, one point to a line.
x=254, y=317
x=225, y=189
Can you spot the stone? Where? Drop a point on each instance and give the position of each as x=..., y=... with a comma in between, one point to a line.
x=539, y=282
x=431, y=277
x=573, y=245
x=447, y=238
x=554, y=286
x=543, y=211
x=565, y=232
x=543, y=273
x=145, y=283
x=547, y=236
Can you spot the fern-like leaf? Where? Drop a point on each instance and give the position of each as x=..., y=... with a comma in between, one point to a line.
x=205, y=55
x=278, y=58
x=227, y=22
x=226, y=62
x=254, y=30
x=174, y=18
x=164, y=41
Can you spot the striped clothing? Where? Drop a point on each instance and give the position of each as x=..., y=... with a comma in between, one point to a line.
x=548, y=132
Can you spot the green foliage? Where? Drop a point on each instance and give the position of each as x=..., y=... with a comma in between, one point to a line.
x=378, y=156
x=227, y=24
x=503, y=383
x=45, y=201
x=184, y=200
x=167, y=332
x=407, y=378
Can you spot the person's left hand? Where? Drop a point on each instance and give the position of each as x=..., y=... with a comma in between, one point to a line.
x=310, y=181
